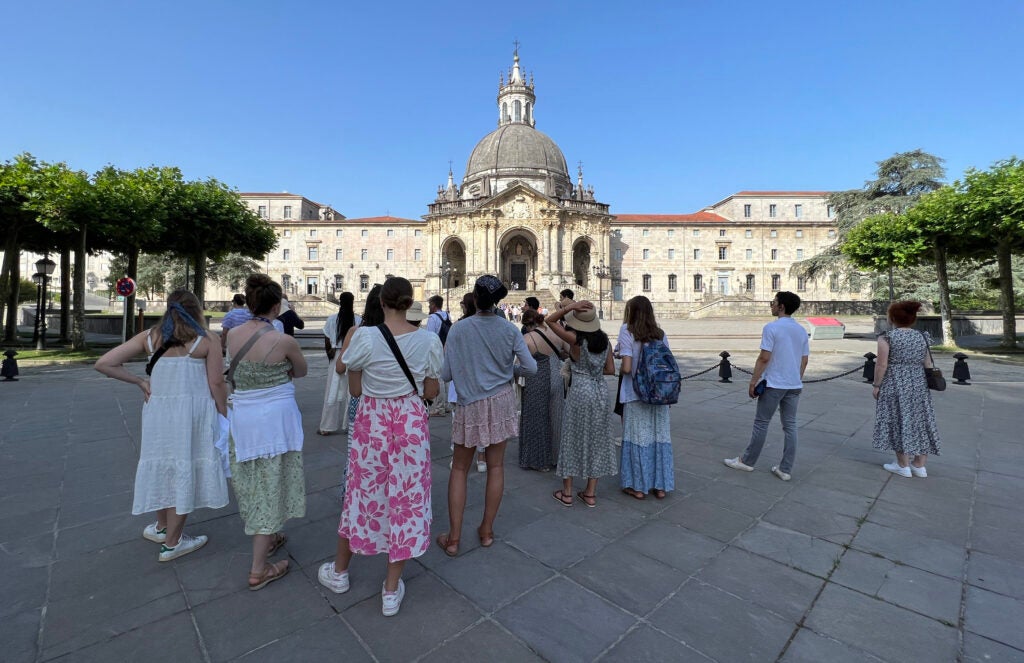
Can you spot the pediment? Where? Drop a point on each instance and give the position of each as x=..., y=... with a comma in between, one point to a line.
x=519, y=192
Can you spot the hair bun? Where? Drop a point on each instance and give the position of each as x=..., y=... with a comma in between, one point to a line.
x=258, y=281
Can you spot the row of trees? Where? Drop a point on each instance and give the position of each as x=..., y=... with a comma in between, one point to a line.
x=906, y=220
x=50, y=208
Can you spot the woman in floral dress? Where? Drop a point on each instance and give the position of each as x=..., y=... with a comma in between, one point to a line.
x=387, y=495
x=904, y=416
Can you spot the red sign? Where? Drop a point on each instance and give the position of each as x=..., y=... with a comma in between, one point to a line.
x=125, y=287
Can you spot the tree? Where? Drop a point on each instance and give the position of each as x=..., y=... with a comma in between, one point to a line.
x=233, y=270
x=19, y=182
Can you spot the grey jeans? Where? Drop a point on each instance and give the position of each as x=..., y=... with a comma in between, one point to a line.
x=784, y=400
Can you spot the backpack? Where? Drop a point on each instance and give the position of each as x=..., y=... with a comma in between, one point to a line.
x=446, y=324
x=656, y=378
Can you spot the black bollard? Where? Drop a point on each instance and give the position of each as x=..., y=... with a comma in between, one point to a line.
x=961, y=373
x=724, y=368
x=869, y=367
x=9, y=367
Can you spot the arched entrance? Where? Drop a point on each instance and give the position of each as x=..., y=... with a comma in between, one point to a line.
x=581, y=262
x=453, y=256
x=519, y=259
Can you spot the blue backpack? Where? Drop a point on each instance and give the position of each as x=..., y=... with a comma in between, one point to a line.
x=656, y=378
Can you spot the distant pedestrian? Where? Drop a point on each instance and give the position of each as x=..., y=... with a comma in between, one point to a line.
x=289, y=319
x=334, y=415
x=437, y=321
x=180, y=468
x=646, y=460
x=781, y=364
x=904, y=416
x=238, y=314
x=373, y=315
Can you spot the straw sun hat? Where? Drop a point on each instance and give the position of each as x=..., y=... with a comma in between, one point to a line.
x=584, y=321
x=415, y=313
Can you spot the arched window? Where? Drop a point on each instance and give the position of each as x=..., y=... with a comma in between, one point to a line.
x=504, y=112
x=671, y=282
x=776, y=281
x=527, y=112
x=517, y=108
x=647, y=282
x=698, y=282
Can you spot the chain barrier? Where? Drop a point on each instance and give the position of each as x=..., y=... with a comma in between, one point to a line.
x=699, y=373
x=743, y=370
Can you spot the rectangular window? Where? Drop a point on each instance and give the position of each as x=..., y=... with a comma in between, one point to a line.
x=671, y=233
x=364, y=233
x=833, y=283
x=671, y=254
x=647, y=282
x=799, y=254
x=723, y=252
x=312, y=232
x=801, y=283
x=772, y=210
x=618, y=254
x=775, y=254
x=698, y=282
x=721, y=232
x=391, y=254
x=746, y=211
x=286, y=254
x=339, y=232
x=749, y=254
x=364, y=283
x=748, y=233
x=287, y=211
x=364, y=254
x=799, y=232
x=831, y=233
x=798, y=211
x=696, y=232
x=417, y=233
x=830, y=211
x=391, y=232
x=646, y=232
x=417, y=254
x=287, y=233
x=311, y=284
x=311, y=252
x=750, y=282
x=339, y=254
x=773, y=233
x=647, y=254
x=776, y=282
x=696, y=254
x=671, y=282
x=262, y=211
x=337, y=282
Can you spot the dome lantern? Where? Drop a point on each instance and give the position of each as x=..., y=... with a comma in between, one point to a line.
x=516, y=99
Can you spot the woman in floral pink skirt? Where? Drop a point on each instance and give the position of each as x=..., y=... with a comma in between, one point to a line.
x=387, y=496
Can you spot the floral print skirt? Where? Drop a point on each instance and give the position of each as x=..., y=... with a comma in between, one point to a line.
x=387, y=495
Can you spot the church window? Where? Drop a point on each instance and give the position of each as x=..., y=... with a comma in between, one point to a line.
x=776, y=281
x=647, y=254
x=504, y=112
x=749, y=254
x=287, y=211
x=286, y=254
x=528, y=110
x=748, y=233
x=618, y=254
x=773, y=210
x=746, y=211
x=696, y=254
x=671, y=282
x=833, y=283
x=339, y=254
x=364, y=283
x=364, y=233
x=698, y=282
x=311, y=253
x=671, y=254
x=647, y=283
x=417, y=254
x=391, y=254
x=364, y=254
x=723, y=252
x=750, y=282
x=517, y=108
x=801, y=283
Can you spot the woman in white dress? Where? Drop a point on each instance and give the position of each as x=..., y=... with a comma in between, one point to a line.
x=179, y=466
x=334, y=416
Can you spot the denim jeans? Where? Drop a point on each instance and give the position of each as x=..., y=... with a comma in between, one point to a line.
x=785, y=400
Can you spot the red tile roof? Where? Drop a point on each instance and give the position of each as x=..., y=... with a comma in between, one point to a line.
x=698, y=217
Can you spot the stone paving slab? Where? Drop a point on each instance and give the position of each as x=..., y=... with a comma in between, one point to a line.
x=846, y=562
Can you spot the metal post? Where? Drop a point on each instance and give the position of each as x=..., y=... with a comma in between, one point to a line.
x=869, y=367
x=724, y=368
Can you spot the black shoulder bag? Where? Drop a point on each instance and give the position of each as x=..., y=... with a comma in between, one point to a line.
x=933, y=375
x=397, y=352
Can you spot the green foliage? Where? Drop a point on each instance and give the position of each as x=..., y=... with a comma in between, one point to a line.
x=883, y=241
x=27, y=292
x=232, y=270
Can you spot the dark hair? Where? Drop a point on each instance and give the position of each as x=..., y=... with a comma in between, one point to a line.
x=484, y=300
x=238, y=300
x=262, y=293
x=533, y=303
x=597, y=341
x=346, y=315
x=567, y=294
x=373, y=312
x=532, y=317
x=469, y=305
x=789, y=301
x=396, y=293
x=639, y=319
x=436, y=300
x=904, y=313
x=183, y=332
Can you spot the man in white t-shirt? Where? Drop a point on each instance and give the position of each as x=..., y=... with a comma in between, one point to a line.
x=435, y=320
x=783, y=359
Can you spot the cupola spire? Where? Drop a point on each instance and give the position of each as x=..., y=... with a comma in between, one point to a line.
x=516, y=99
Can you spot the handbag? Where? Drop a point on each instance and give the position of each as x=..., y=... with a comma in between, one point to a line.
x=933, y=375
x=397, y=352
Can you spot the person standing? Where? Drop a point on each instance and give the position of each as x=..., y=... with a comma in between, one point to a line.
x=646, y=462
x=904, y=416
x=289, y=319
x=436, y=322
x=781, y=363
x=541, y=420
x=179, y=466
x=239, y=314
x=334, y=415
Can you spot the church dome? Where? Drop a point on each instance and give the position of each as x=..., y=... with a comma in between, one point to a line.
x=516, y=149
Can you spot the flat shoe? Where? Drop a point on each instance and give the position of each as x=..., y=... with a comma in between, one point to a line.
x=445, y=543
x=272, y=572
x=584, y=497
x=635, y=494
x=660, y=494
x=560, y=496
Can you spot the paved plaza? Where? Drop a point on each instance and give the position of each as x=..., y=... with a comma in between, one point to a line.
x=846, y=562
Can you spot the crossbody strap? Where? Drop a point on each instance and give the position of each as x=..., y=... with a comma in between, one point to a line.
x=395, y=350
x=548, y=341
x=927, y=347
x=241, y=353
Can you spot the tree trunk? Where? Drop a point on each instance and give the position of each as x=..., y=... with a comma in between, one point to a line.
x=78, y=308
x=133, y=273
x=65, y=292
x=945, y=307
x=1003, y=254
x=12, y=270
x=199, y=278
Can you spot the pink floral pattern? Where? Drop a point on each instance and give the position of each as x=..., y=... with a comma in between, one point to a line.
x=387, y=497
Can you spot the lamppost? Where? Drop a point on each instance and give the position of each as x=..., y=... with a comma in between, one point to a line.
x=44, y=268
x=601, y=272
x=447, y=271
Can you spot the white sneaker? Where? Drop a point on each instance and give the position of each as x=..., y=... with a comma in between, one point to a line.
x=919, y=471
x=779, y=473
x=481, y=466
x=336, y=582
x=186, y=544
x=391, y=602
x=896, y=469
x=151, y=533
x=737, y=464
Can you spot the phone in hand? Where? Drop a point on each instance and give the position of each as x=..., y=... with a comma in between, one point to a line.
x=760, y=387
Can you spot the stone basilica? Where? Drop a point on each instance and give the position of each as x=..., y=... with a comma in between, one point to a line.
x=518, y=214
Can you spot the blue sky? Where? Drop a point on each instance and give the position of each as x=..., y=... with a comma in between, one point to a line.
x=671, y=106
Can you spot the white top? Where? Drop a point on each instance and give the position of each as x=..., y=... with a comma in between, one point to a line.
x=382, y=376
x=331, y=329
x=434, y=321
x=786, y=339
x=626, y=347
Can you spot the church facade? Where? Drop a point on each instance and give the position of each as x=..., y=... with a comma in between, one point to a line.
x=518, y=214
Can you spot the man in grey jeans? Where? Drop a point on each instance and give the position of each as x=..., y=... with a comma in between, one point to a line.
x=783, y=358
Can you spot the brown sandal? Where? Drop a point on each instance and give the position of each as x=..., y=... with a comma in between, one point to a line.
x=447, y=544
x=561, y=497
x=279, y=540
x=589, y=500
x=486, y=538
x=270, y=573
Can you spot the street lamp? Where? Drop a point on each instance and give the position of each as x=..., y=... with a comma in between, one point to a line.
x=44, y=268
x=447, y=271
x=602, y=272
